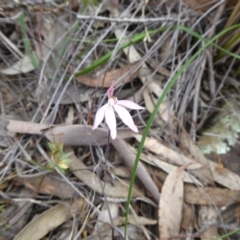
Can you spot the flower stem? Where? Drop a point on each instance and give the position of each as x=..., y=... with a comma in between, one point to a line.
x=108, y=146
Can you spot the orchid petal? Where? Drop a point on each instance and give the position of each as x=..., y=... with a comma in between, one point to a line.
x=111, y=121
x=129, y=104
x=125, y=116
x=100, y=115
x=110, y=91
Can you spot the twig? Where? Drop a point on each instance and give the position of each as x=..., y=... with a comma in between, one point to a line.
x=129, y=20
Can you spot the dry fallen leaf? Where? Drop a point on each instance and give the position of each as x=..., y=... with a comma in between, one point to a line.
x=187, y=217
x=70, y=116
x=50, y=185
x=206, y=214
x=24, y=65
x=134, y=220
x=225, y=177
x=110, y=208
x=210, y=196
x=201, y=5
x=105, y=79
x=171, y=204
x=48, y=220
x=204, y=5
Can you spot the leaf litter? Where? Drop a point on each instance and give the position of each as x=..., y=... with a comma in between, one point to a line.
x=171, y=203
x=60, y=179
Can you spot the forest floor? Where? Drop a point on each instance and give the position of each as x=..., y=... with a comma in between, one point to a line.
x=166, y=167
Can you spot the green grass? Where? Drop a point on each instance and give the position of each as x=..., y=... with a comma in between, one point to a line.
x=199, y=37
x=26, y=42
x=227, y=235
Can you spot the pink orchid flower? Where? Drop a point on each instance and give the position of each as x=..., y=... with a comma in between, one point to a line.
x=108, y=110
